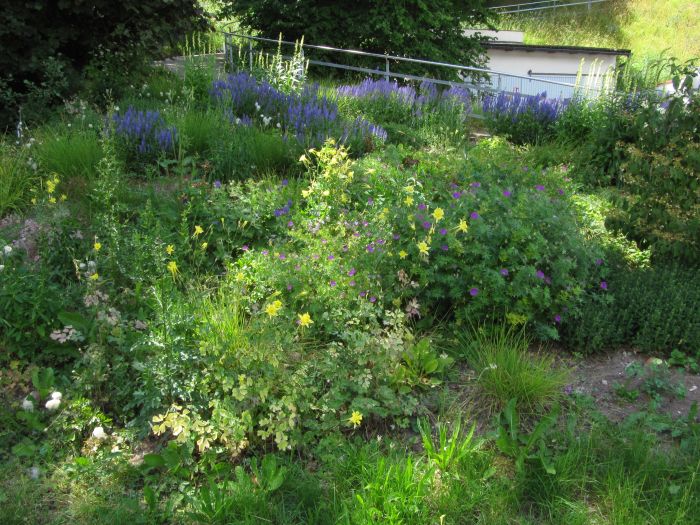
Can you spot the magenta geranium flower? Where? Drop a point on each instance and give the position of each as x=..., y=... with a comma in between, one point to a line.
x=539, y=274
x=604, y=285
x=504, y=272
x=474, y=292
x=539, y=187
x=507, y=193
x=474, y=215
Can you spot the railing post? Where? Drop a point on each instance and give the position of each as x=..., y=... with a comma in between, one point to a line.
x=250, y=54
x=386, y=68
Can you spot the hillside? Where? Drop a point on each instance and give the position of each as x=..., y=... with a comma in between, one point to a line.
x=647, y=27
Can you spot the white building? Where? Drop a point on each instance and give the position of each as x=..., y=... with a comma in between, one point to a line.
x=591, y=68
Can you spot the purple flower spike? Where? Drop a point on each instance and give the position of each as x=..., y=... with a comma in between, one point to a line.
x=504, y=272
x=539, y=187
x=603, y=285
x=217, y=184
x=507, y=193
x=284, y=182
x=474, y=292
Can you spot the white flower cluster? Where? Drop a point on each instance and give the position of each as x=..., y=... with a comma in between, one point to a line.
x=55, y=401
x=111, y=316
x=67, y=334
x=95, y=298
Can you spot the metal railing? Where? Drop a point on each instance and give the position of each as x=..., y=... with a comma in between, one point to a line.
x=496, y=81
x=542, y=5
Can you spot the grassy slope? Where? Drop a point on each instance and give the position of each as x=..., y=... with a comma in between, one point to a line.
x=647, y=27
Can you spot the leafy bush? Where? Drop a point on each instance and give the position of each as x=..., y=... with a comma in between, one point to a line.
x=405, y=242
x=660, y=181
x=44, y=48
x=523, y=119
x=653, y=309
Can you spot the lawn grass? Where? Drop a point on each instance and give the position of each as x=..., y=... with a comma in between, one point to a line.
x=648, y=27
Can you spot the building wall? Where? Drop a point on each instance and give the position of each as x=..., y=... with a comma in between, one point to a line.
x=553, y=65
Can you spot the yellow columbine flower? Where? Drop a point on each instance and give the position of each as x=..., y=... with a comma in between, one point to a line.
x=408, y=189
x=439, y=213
x=408, y=200
x=240, y=276
x=169, y=249
x=52, y=200
x=463, y=226
x=94, y=276
x=50, y=186
x=172, y=268
x=272, y=308
x=305, y=320
x=355, y=419
x=204, y=245
x=198, y=231
x=423, y=248
x=64, y=197
x=97, y=246
x=403, y=254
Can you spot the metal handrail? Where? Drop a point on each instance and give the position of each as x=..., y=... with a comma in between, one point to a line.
x=387, y=58
x=525, y=7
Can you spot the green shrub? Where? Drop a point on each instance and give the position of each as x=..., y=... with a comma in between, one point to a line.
x=660, y=182
x=654, y=309
x=445, y=237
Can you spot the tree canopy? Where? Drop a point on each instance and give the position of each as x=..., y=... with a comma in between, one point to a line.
x=431, y=30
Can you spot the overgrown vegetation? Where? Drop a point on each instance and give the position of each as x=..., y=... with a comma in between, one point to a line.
x=235, y=298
